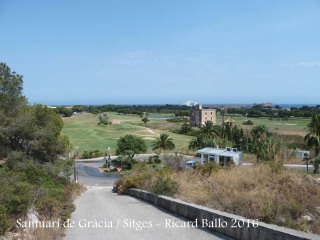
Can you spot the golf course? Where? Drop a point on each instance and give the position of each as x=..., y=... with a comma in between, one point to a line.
x=85, y=133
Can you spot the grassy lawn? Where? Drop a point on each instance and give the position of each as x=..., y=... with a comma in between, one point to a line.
x=294, y=126
x=85, y=134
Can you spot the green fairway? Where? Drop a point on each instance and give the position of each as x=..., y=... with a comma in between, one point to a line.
x=85, y=134
x=292, y=126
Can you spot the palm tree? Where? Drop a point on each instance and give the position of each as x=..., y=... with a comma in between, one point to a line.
x=313, y=136
x=260, y=131
x=200, y=142
x=262, y=145
x=163, y=142
x=209, y=130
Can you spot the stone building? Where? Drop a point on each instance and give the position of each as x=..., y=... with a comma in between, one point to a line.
x=199, y=115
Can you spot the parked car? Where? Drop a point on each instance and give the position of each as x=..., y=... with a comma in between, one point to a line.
x=190, y=164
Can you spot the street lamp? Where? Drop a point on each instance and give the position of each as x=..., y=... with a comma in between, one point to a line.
x=109, y=158
x=247, y=140
x=74, y=168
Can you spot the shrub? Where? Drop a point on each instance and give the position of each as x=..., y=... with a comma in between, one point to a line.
x=104, y=120
x=208, y=168
x=134, y=181
x=177, y=120
x=185, y=128
x=271, y=211
x=165, y=185
x=154, y=159
x=316, y=166
x=248, y=122
x=173, y=161
x=91, y=154
x=124, y=161
x=4, y=221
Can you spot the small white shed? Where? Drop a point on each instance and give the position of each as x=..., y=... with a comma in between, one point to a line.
x=302, y=154
x=222, y=156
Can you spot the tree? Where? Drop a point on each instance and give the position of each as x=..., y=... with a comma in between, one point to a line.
x=209, y=130
x=11, y=98
x=263, y=145
x=32, y=130
x=185, y=128
x=313, y=136
x=145, y=120
x=130, y=145
x=29, y=137
x=37, y=132
x=104, y=120
x=205, y=136
x=163, y=143
x=140, y=114
x=64, y=112
x=11, y=101
x=260, y=131
x=316, y=166
x=201, y=142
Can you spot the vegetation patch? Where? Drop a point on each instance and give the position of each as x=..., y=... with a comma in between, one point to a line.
x=286, y=198
x=33, y=178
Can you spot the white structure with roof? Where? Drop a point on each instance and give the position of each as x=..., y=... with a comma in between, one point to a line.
x=222, y=156
x=302, y=154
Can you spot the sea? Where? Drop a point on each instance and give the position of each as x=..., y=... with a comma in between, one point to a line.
x=287, y=105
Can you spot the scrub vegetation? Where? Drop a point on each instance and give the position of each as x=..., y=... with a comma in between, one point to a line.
x=266, y=192
x=33, y=178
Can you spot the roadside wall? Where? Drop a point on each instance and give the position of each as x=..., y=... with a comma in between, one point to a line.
x=233, y=225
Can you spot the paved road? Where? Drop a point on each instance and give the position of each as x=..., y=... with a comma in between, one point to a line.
x=98, y=162
x=101, y=214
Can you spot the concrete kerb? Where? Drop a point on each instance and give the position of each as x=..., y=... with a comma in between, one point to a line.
x=246, y=230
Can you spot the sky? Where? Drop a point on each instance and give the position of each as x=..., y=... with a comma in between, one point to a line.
x=163, y=51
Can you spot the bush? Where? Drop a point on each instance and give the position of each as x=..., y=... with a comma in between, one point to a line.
x=154, y=159
x=316, y=166
x=177, y=120
x=15, y=193
x=4, y=221
x=91, y=154
x=248, y=122
x=208, y=168
x=104, y=120
x=134, y=181
x=173, y=161
x=124, y=161
x=185, y=128
x=165, y=185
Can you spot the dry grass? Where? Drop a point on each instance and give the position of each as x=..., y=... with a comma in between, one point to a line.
x=256, y=193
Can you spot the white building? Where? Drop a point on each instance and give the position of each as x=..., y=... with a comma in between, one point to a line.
x=222, y=156
x=302, y=154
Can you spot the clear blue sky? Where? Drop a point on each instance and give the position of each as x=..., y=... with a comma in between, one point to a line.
x=163, y=51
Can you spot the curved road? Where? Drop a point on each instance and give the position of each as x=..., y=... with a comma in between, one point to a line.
x=102, y=214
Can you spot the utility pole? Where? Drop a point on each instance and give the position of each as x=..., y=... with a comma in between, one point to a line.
x=223, y=110
x=247, y=140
